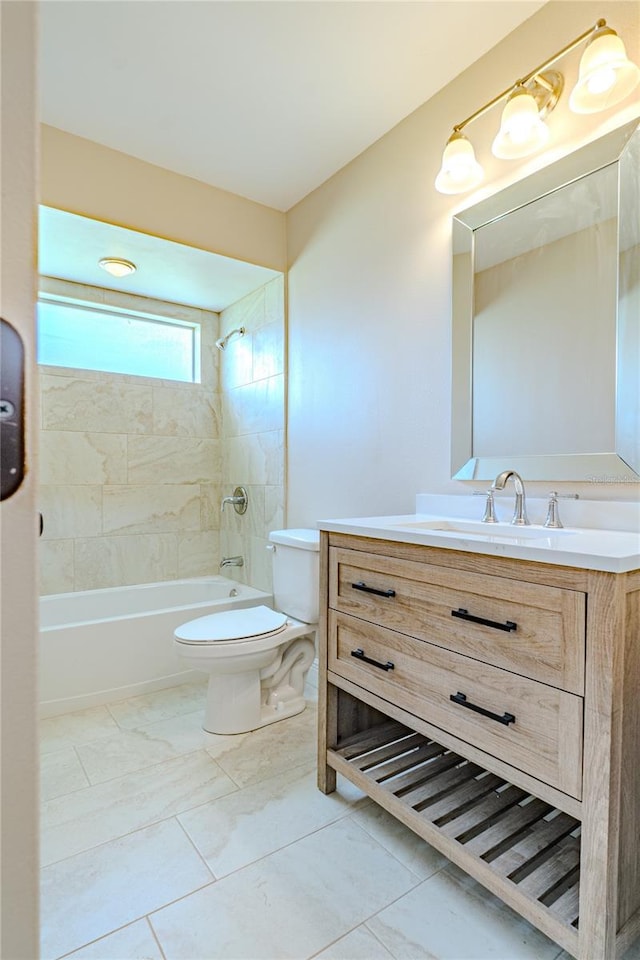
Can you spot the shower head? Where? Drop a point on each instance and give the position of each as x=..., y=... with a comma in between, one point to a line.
x=223, y=341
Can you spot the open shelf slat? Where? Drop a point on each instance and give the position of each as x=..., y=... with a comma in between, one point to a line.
x=520, y=838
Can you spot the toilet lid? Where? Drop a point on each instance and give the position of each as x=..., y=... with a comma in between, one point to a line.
x=232, y=625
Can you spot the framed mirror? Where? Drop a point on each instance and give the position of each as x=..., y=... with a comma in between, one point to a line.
x=546, y=322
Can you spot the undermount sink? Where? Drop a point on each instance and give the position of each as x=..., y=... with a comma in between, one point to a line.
x=485, y=530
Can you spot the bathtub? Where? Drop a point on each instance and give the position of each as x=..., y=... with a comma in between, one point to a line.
x=100, y=646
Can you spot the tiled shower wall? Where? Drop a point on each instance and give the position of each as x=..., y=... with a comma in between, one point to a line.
x=130, y=467
x=253, y=429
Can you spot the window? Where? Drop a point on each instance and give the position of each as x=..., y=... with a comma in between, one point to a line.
x=92, y=337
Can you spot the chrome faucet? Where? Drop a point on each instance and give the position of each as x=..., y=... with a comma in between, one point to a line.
x=240, y=500
x=520, y=510
x=553, y=517
x=489, y=515
x=232, y=562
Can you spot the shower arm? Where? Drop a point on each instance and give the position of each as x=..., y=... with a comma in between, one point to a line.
x=223, y=341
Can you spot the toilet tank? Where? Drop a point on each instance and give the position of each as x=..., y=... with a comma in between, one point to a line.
x=296, y=572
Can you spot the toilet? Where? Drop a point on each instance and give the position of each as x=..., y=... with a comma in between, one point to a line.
x=258, y=658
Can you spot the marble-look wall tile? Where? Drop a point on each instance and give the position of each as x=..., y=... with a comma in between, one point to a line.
x=237, y=363
x=56, y=566
x=274, y=507
x=260, y=560
x=210, y=505
x=253, y=404
x=131, y=466
x=70, y=511
x=93, y=458
x=248, y=312
x=185, y=413
x=95, y=406
x=198, y=554
x=118, y=561
x=255, y=407
x=233, y=545
x=250, y=523
x=151, y=508
x=255, y=458
x=173, y=460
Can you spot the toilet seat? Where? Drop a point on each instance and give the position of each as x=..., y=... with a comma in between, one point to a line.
x=232, y=626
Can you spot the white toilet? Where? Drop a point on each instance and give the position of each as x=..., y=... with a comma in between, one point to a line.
x=257, y=659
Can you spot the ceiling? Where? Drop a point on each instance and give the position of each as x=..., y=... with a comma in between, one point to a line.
x=70, y=247
x=263, y=98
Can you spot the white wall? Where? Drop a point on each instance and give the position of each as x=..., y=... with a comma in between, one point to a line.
x=18, y=745
x=369, y=288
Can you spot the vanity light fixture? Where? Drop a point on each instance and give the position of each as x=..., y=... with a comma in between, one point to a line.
x=605, y=77
x=117, y=267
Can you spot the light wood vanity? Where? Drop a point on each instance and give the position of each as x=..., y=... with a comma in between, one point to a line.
x=493, y=706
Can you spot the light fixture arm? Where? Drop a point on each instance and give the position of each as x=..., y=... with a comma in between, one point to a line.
x=529, y=76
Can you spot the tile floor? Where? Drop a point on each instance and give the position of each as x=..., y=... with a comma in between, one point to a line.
x=161, y=842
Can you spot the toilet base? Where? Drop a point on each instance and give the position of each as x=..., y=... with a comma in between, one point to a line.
x=269, y=713
x=268, y=687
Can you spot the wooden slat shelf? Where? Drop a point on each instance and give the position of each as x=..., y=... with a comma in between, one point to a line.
x=458, y=806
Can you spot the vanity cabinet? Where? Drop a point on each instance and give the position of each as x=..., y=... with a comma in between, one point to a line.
x=493, y=705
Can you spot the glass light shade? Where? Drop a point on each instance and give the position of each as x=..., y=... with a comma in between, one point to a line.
x=117, y=267
x=522, y=131
x=606, y=75
x=460, y=170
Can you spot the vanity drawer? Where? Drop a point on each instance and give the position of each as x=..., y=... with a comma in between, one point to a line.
x=533, y=630
x=544, y=738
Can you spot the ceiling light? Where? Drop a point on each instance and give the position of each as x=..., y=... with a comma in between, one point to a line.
x=606, y=76
x=117, y=267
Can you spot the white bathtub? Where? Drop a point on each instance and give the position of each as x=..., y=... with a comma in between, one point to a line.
x=99, y=646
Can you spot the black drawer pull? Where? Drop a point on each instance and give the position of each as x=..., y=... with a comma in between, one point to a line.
x=465, y=615
x=359, y=655
x=361, y=585
x=461, y=699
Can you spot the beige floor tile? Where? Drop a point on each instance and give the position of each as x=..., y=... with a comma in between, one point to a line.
x=450, y=917
x=291, y=904
x=268, y=751
x=61, y=773
x=135, y=942
x=399, y=840
x=106, y=811
x=360, y=944
x=94, y=893
x=161, y=705
x=256, y=821
x=56, y=733
x=129, y=750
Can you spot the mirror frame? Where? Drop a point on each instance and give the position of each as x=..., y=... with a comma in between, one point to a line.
x=609, y=466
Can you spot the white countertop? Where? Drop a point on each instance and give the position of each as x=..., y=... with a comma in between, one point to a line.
x=617, y=551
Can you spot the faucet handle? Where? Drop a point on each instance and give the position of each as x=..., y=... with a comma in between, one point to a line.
x=553, y=516
x=489, y=515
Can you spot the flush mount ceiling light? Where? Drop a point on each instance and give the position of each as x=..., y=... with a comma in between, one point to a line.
x=606, y=76
x=117, y=267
